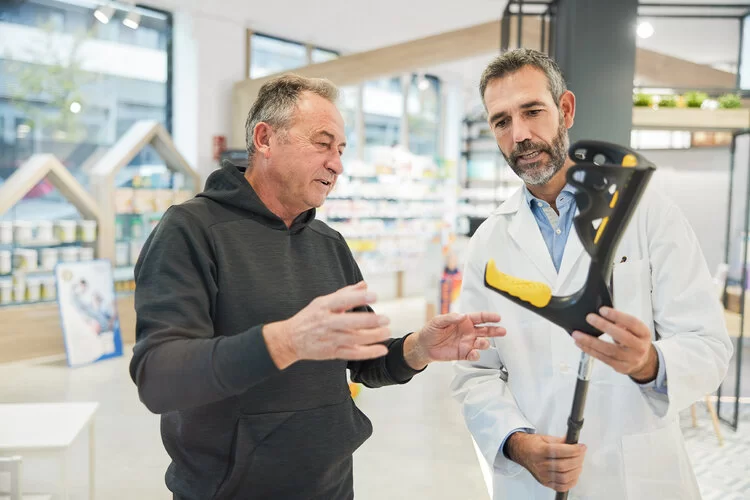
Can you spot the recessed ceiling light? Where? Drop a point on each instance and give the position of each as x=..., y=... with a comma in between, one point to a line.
x=104, y=13
x=645, y=29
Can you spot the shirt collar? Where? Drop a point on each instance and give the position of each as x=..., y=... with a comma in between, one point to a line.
x=530, y=198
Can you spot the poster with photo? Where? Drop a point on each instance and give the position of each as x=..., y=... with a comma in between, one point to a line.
x=88, y=312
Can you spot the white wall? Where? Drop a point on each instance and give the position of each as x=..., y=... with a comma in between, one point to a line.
x=209, y=57
x=698, y=182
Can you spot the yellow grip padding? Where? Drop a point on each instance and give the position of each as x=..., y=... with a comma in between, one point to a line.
x=535, y=293
x=629, y=161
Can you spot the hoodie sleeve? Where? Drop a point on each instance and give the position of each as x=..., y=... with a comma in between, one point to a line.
x=177, y=361
x=390, y=369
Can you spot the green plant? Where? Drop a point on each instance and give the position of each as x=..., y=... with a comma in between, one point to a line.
x=730, y=101
x=641, y=99
x=695, y=99
x=668, y=101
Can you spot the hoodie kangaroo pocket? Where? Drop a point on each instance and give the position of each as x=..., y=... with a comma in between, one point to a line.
x=250, y=432
x=284, y=455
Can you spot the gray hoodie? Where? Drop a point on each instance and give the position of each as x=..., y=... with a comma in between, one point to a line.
x=212, y=273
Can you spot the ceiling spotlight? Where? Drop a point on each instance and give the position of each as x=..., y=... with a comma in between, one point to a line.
x=423, y=84
x=645, y=29
x=132, y=20
x=75, y=107
x=104, y=13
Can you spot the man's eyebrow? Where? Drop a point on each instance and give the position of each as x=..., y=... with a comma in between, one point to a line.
x=526, y=105
x=331, y=137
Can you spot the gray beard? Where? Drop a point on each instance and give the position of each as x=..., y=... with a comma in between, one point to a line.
x=538, y=174
x=534, y=175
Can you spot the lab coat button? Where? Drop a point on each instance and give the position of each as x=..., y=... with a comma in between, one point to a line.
x=564, y=368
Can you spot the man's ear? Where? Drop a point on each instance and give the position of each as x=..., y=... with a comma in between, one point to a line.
x=568, y=107
x=262, y=138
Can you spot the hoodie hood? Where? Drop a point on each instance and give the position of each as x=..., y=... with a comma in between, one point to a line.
x=228, y=186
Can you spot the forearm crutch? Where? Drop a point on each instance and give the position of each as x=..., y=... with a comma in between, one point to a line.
x=609, y=181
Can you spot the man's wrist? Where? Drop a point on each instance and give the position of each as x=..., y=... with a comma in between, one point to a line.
x=279, y=346
x=513, y=445
x=414, y=354
x=650, y=369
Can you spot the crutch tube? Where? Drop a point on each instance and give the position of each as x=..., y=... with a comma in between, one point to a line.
x=575, y=421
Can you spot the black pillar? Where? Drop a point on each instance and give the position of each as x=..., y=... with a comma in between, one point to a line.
x=594, y=44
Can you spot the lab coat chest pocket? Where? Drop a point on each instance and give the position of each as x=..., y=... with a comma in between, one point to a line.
x=653, y=462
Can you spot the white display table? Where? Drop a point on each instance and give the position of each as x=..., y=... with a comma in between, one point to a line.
x=48, y=428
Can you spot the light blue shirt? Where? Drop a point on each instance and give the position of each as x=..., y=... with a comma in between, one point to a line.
x=555, y=229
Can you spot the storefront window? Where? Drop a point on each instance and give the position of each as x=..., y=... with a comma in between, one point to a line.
x=383, y=107
x=322, y=55
x=270, y=55
x=423, y=108
x=71, y=85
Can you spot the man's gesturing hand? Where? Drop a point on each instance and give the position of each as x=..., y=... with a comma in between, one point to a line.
x=324, y=330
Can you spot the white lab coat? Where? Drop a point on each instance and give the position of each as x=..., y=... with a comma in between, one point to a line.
x=635, y=445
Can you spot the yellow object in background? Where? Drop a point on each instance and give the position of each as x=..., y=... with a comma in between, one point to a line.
x=354, y=389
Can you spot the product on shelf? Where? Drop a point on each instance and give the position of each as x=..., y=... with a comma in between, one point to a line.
x=124, y=200
x=136, y=228
x=135, y=251
x=6, y=232
x=87, y=231
x=44, y=231
x=85, y=254
x=33, y=289
x=19, y=291
x=70, y=254
x=163, y=199
x=49, y=288
x=125, y=286
x=25, y=259
x=23, y=231
x=6, y=291
x=66, y=230
x=48, y=258
x=122, y=255
x=6, y=261
x=143, y=201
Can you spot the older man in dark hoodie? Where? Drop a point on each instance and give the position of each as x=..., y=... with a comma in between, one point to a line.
x=250, y=311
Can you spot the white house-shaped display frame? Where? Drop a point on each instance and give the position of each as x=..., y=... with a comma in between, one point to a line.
x=104, y=172
x=48, y=166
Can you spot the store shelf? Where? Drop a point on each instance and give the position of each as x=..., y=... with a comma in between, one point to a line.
x=124, y=273
x=691, y=119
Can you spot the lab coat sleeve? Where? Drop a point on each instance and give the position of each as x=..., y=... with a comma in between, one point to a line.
x=489, y=409
x=688, y=316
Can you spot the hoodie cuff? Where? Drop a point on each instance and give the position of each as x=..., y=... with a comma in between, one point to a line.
x=397, y=367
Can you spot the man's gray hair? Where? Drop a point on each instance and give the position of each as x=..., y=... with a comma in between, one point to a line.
x=277, y=100
x=514, y=60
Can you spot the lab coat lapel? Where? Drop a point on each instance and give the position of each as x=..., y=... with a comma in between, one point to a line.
x=571, y=255
x=524, y=230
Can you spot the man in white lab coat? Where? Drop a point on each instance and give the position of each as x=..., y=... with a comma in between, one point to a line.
x=665, y=345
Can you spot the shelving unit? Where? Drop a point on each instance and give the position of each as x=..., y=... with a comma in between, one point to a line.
x=388, y=211
x=486, y=180
x=691, y=119
x=31, y=325
x=30, y=249
x=131, y=211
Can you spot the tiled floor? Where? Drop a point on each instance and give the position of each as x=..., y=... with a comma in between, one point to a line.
x=419, y=449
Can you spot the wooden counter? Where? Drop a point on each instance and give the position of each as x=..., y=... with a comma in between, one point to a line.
x=34, y=330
